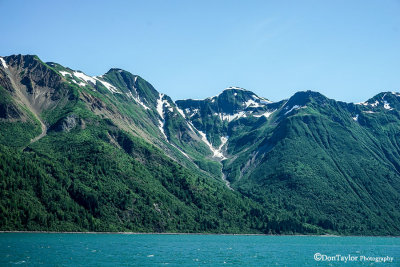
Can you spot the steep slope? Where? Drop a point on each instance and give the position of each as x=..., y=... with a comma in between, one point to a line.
x=326, y=163
x=104, y=164
x=29, y=88
x=135, y=106
x=111, y=153
x=213, y=116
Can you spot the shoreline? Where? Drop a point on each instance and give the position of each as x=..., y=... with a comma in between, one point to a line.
x=155, y=233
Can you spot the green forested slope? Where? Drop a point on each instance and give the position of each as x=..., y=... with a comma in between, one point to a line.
x=116, y=155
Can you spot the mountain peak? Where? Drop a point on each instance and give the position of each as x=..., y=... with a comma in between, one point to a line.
x=20, y=60
x=237, y=93
x=115, y=70
x=386, y=100
x=303, y=97
x=235, y=88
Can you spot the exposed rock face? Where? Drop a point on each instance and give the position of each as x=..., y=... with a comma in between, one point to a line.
x=9, y=112
x=33, y=82
x=313, y=162
x=66, y=124
x=5, y=82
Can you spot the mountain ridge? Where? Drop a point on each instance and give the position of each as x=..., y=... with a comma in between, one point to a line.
x=284, y=166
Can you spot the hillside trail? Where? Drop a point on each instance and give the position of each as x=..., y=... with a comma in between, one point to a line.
x=42, y=134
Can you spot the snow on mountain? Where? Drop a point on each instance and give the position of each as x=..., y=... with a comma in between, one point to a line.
x=181, y=112
x=111, y=88
x=231, y=117
x=65, y=73
x=386, y=105
x=217, y=153
x=88, y=79
x=265, y=114
x=3, y=62
x=396, y=94
x=137, y=99
x=251, y=103
x=82, y=76
x=295, y=107
x=261, y=99
x=160, y=106
x=235, y=88
x=161, y=127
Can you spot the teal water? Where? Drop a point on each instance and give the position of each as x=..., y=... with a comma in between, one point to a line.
x=35, y=249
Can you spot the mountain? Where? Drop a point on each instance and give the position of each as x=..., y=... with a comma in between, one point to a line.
x=111, y=153
x=327, y=163
x=82, y=153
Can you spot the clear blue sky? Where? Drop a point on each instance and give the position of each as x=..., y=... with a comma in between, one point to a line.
x=347, y=50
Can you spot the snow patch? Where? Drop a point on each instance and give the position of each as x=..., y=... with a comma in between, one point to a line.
x=295, y=107
x=395, y=93
x=204, y=138
x=111, y=88
x=82, y=76
x=266, y=114
x=375, y=104
x=130, y=95
x=80, y=84
x=160, y=109
x=386, y=105
x=231, y=117
x=355, y=118
x=137, y=99
x=65, y=73
x=251, y=103
x=194, y=112
x=161, y=123
x=362, y=103
x=181, y=112
x=216, y=153
x=368, y=111
x=167, y=105
x=161, y=127
x=3, y=62
x=191, y=126
x=235, y=88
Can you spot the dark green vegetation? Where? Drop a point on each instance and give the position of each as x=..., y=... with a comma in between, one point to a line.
x=326, y=163
x=110, y=153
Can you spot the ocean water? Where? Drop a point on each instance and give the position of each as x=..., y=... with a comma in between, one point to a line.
x=42, y=249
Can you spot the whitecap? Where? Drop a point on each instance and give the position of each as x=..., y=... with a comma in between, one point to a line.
x=18, y=262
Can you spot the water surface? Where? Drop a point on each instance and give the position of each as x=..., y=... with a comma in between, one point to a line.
x=193, y=250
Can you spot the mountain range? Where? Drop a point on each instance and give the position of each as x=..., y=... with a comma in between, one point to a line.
x=111, y=153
